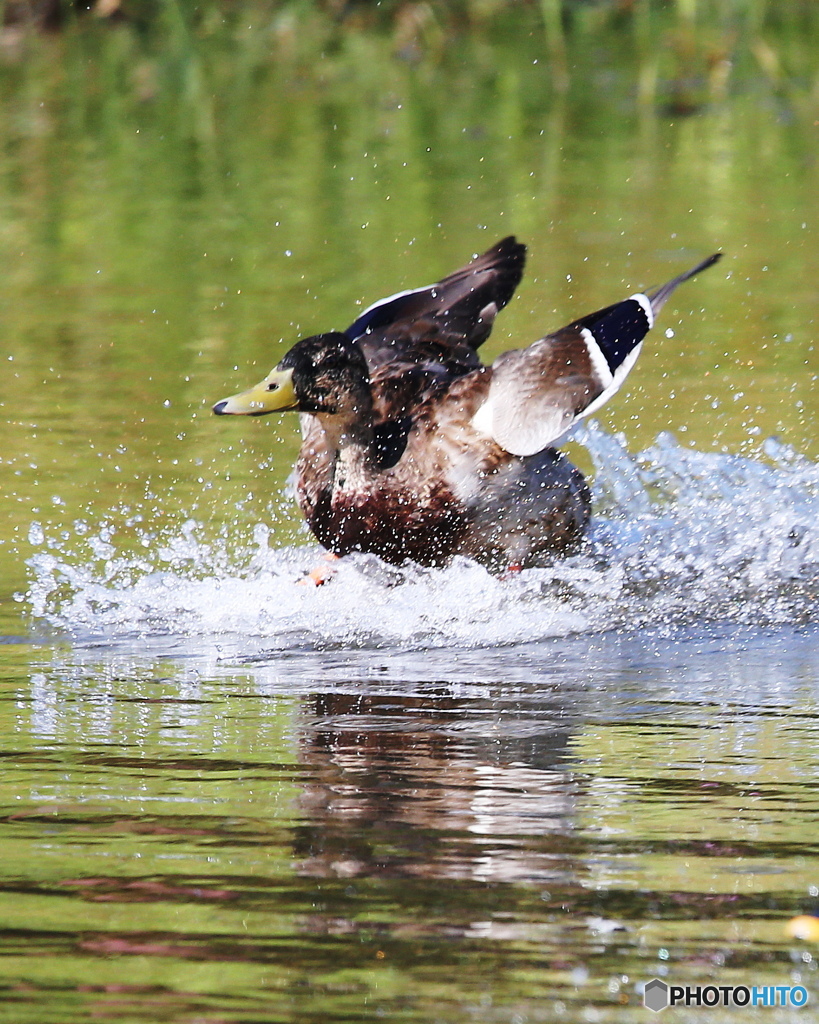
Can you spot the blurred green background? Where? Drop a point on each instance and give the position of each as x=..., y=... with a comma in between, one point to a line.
x=185, y=189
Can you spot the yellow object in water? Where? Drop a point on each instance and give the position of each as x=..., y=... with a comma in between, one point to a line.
x=805, y=927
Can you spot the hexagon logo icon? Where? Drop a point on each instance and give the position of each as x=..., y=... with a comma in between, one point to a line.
x=655, y=995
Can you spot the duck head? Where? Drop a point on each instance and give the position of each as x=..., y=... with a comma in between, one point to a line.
x=326, y=375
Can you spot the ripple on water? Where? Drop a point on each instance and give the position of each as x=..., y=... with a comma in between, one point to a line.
x=680, y=536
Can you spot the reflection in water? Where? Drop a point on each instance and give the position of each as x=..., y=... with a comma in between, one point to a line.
x=410, y=833
x=397, y=790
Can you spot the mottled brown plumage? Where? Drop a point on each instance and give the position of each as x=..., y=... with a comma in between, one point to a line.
x=412, y=449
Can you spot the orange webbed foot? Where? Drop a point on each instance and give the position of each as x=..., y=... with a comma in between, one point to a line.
x=321, y=574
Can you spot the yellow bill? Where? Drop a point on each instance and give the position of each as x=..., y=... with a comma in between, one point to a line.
x=274, y=394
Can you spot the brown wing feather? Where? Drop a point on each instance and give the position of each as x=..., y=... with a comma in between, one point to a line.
x=445, y=323
x=537, y=392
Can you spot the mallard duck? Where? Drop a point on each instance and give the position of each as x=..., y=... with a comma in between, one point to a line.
x=413, y=449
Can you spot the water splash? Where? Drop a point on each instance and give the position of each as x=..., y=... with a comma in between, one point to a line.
x=680, y=536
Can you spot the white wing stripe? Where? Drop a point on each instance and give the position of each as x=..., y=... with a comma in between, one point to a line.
x=648, y=309
x=620, y=375
x=600, y=365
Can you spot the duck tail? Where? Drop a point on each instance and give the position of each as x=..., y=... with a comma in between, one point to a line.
x=658, y=298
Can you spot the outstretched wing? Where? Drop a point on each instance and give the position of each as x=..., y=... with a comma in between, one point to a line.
x=538, y=393
x=442, y=323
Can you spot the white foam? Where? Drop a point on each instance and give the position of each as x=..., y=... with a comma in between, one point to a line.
x=679, y=535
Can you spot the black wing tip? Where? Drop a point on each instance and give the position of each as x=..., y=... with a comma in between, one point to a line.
x=658, y=297
x=709, y=261
x=706, y=263
x=505, y=261
x=508, y=248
